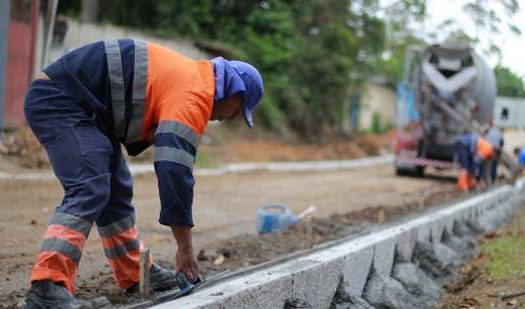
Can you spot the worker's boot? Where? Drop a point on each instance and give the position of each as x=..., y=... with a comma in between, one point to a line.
x=471, y=181
x=159, y=279
x=463, y=181
x=49, y=294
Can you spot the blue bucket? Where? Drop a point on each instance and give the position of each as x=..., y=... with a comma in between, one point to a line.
x=274, y=217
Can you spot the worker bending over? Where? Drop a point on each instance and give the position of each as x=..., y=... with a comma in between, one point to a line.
x=82, y=108
x=471, y=151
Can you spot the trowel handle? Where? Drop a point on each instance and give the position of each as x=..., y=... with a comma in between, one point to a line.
x=306, y=212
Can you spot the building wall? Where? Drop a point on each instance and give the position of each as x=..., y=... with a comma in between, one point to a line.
x=19, y=72
x=18, y=69
x=509, y=112
x=378, y=100
x=79, y=34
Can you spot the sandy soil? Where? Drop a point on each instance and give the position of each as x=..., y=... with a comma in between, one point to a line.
x=224, y=207
x=221, y=144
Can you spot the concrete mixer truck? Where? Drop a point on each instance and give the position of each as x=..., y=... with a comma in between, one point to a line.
x=446, y=91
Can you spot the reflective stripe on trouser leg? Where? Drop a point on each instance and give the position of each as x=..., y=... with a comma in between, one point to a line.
x=61, y=250
x=116, y=225
x=122, y=248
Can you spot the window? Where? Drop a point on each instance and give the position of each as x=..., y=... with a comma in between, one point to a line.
x=504, y=114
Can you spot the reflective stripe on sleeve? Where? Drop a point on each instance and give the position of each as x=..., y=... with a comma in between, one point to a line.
x=174, y=155
x=180, y=129
x=140, y=79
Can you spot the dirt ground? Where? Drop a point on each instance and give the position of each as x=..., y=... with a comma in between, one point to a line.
x=224, y=210
x=496, y=278
x=20, y=150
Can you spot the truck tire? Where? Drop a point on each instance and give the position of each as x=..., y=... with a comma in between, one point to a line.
x=410, y=171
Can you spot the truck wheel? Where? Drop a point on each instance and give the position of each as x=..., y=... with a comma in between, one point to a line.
x=411, y=171
x=419, y=171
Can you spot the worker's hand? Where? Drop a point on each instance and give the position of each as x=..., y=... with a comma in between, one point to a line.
x=185, y=259
x=187, y=263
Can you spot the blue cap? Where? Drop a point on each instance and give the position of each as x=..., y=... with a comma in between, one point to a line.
x=254, y=88
x=235, y=76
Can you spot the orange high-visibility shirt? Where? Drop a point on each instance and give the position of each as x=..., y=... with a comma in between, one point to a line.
x=178, y=89
x=484, y=149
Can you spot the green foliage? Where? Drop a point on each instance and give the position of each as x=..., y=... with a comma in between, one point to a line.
x=486, y=19
x=69, y=8
x=311, y=53
x=509, y=84
x=391, y=64
x=506, y=257
x=376, y=123
x=401, y=18
x=203, y=160
x=458, y=36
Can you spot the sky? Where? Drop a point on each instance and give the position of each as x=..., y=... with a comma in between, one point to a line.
x=512, y=46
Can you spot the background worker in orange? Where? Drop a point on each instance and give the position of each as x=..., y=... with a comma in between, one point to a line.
x=471, y=151
x=135, y=93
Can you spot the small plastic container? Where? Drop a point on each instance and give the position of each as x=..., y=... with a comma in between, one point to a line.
x=274, y=217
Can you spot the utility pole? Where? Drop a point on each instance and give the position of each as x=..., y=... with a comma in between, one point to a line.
x=51, y=13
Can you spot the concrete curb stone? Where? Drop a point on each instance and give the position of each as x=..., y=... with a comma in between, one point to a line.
x=360, y=269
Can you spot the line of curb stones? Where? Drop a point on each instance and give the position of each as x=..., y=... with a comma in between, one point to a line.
x=401, y=266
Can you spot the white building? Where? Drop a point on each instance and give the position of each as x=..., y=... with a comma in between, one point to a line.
x=509, y=113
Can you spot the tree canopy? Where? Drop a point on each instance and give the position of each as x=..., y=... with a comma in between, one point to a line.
x=509, y=84
x=313, y=54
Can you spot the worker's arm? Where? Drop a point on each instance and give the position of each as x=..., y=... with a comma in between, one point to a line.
x=175, y=150
x=183, y=113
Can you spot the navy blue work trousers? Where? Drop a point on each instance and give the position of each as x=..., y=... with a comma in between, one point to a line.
x=463, y=153
x=89, y=164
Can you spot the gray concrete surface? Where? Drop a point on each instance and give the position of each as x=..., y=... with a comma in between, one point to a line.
x=363, y=267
